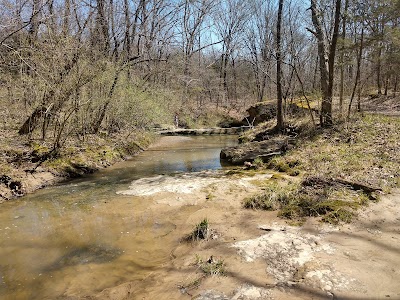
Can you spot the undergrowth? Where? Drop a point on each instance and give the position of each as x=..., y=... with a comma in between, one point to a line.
x=334, y=204
x=364, y=150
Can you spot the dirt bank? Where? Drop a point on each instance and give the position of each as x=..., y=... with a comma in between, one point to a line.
x=29, y=165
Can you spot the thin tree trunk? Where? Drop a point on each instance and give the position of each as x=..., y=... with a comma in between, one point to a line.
x=127, y=38
x=35, y=19
x=359, y=57
x=304, y=95
x=114, y=36
x=378, y=70
x=97, y=123
x=387, y=82
x=102, y=26
x=66, y=20
x=279, y=115
x=343, y=37
x=234, y=81
x=315, y=73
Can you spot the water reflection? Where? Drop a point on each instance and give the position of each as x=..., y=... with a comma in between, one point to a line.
x=78, y=238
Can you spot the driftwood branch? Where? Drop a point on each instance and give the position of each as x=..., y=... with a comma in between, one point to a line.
x=264, y=150
x=358, y=185
x=318, y=182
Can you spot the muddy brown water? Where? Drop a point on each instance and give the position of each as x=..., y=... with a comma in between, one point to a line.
x=80, y=237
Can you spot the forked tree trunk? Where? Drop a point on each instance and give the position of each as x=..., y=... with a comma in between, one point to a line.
x=326, y=60
x=102, y=113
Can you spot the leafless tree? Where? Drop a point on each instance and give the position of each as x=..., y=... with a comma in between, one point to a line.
x=326, y=53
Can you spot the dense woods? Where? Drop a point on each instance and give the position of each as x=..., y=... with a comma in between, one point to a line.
x=71, y=68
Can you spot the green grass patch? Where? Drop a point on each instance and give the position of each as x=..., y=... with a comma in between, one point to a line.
x=333, y=203
x=274, y=196
x=200, y=232
x=364, y=150
x=284, y=165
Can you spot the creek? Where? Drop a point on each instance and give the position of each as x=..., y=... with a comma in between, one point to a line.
x=81, y=237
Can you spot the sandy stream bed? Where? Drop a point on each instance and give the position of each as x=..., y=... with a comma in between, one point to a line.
x=265, y=257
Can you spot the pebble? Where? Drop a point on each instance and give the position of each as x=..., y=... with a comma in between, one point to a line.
x=211, y=295
x=327, y=288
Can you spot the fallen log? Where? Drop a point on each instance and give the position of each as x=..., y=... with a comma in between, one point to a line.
x=358, y=185
x=250, y=151
x=319, y=182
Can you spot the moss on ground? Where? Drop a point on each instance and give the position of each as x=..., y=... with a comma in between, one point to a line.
x=334, y=204
x=100, y=152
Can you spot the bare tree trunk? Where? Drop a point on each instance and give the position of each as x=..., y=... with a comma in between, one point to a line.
x=224, y=68
x=387, y=77
x=315, y=73
x=102, y=27
x=304, y=94
x=279, y=114
x=35, y=19
x=359, y=57
x=235, y=97
x=378, y=70
x=326, y=61
x=113, y=33
x=51, y=21
x=135, y=28
x=343, y=38
x=127, y=38
x=66, y=20
x=97, y=123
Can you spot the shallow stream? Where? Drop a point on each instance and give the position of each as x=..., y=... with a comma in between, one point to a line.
x=78, y=238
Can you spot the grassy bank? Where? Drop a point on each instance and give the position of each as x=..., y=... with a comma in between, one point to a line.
x=27, y=165
x=340, y=170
